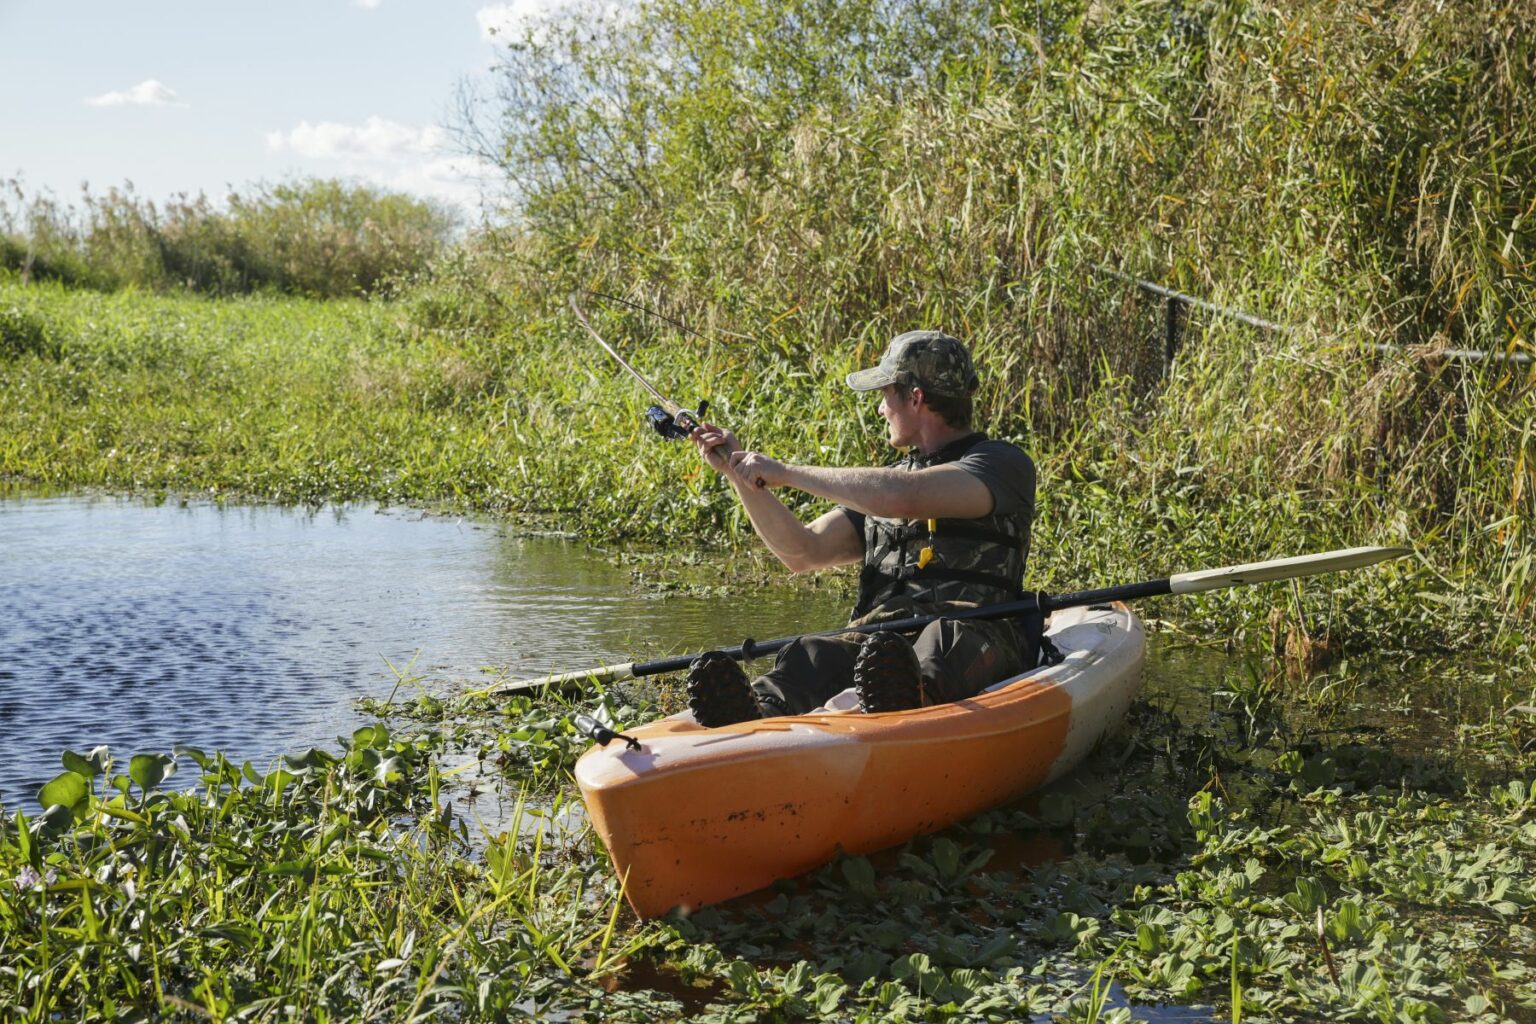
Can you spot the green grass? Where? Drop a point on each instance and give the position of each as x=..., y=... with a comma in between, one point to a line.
x=315, y=237
x=299, y=402
x=1319, y=873
x=1286, y=846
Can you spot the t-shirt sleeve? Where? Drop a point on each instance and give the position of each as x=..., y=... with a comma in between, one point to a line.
x=856, y=518
x=1008, y=473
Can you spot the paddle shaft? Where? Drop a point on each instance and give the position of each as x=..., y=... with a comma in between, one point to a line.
x=1040, y=602
x=1182, y=583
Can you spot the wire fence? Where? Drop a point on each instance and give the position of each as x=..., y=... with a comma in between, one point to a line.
x=1177, y=305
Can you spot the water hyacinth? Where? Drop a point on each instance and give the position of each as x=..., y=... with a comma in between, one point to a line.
x=1339, y=827
x=30, y=879
x=1262, y=860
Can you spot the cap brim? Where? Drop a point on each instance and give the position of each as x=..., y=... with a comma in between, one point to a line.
x=871, y=379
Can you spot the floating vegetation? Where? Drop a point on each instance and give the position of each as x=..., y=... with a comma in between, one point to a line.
x=1316, y=837
x=1261, y=860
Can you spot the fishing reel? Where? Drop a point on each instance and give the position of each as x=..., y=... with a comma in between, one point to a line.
x=677, y=427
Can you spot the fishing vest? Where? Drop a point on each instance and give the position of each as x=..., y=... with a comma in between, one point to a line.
x=942, y=562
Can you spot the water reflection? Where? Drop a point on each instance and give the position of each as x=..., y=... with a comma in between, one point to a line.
x=252, y=630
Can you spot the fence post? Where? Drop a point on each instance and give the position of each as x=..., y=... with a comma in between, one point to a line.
x=1170, y=334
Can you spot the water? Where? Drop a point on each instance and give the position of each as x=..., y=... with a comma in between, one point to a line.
x=254, y=630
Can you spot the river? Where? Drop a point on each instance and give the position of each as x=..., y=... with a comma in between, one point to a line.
x=253, y=630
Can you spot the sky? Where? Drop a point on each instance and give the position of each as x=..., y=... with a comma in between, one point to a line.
x=189, y=96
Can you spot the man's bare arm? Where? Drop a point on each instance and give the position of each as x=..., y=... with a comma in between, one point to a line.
x=939, y=492
x=826, y=541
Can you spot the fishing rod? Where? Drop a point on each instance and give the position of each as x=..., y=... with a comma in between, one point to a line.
x=666, y=417
x=637, y=307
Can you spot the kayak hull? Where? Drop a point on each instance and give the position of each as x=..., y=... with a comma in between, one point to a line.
x=697, y=815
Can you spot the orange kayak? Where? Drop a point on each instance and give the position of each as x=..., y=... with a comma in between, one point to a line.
x=699, y=815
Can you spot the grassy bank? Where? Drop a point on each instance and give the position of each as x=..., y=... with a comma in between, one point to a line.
x=1271, y=861
x=293, y=401
x=316, y=237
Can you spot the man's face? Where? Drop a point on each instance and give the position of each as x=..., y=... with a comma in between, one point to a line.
x=898, y=404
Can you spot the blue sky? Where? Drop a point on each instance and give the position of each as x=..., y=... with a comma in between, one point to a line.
x=207, y=95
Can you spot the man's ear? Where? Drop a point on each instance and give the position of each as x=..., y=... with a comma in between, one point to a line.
x=917, y=393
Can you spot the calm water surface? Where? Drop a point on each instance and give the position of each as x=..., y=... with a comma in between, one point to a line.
x=253, y=630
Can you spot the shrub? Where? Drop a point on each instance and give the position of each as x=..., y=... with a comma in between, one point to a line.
x=320, y=238
x=23, y=333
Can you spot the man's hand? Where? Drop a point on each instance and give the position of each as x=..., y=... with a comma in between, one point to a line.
x=757, y=470
x=725, y=455
x=715, y=444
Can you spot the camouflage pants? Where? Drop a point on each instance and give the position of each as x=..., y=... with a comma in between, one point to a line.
x=959, y=659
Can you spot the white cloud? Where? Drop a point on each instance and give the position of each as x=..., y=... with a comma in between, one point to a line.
x=388, y=154
x=458, y=181
x=375, y=139
x=149, y=93
x=367, y=5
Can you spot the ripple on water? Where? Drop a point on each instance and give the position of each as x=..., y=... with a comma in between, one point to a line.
x=145, y=626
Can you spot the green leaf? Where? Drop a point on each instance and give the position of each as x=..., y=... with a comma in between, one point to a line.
x=796, y=978
x=1150, y=937
x=201, y=759
x=65, y=790
x=860, y=875
x=55, y=819
x=388, y=771
x=244, y=936
x=278, y=779
x=830, y=990
x=314, y=757
x=371, y=736
x=149, y=770
x=24, y=840
x=1309, y=895
x=82, y=764
x=946, y=858
x=919, y=969
x=742, y=977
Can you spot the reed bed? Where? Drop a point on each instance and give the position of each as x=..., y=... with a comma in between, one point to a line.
x=799, y=181
x=1348, y=171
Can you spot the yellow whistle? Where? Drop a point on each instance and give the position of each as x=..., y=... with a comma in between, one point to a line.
x=926, y=555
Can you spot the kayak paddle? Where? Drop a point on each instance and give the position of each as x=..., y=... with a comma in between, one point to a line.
x=1182, y=583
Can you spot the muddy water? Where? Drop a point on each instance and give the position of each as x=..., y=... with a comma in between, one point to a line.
x=253, y=630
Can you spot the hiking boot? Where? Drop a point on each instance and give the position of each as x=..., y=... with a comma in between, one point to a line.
x=718, y=691
x=886, y=674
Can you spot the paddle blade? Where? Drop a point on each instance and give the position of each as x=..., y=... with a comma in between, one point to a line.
x=1280, y=569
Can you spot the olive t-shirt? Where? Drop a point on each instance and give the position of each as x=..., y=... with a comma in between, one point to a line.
x=1004, y=467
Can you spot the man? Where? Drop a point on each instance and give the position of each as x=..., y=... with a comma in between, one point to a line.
x=945, y=527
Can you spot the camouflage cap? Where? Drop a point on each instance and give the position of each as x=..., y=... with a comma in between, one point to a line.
x=940, y=364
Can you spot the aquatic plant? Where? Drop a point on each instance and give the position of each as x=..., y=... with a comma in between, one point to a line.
x=334, y=886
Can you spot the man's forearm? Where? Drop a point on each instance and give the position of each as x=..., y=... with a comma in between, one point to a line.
x=939, y=492
x=873, y=490
x=790, y=540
